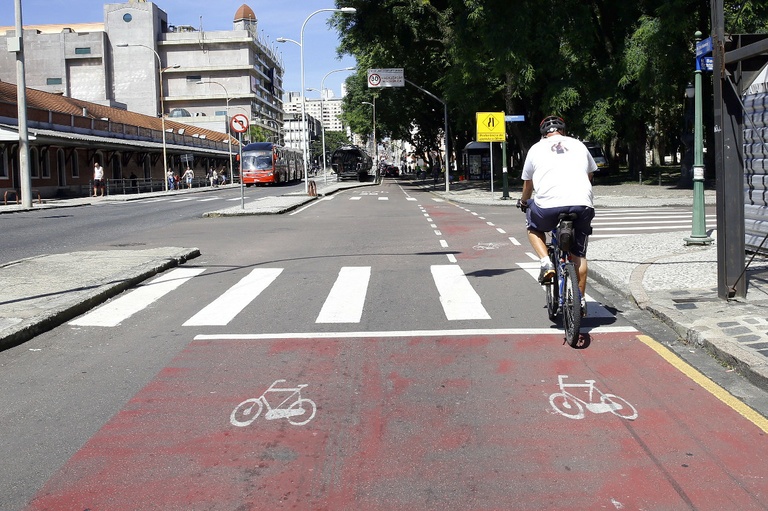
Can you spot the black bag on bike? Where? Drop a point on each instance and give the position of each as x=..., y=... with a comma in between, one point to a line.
x=565, y=235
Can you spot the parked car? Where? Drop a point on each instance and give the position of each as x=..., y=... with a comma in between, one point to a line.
x=599, y=156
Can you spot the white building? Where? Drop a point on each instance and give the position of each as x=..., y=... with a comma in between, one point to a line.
x=138, y=61
x=328, y=109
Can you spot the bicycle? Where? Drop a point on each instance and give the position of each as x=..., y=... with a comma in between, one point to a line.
x=244, y=414
x=567, y=404
x=562, y=292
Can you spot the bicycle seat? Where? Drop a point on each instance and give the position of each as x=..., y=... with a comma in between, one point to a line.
x=567, y=216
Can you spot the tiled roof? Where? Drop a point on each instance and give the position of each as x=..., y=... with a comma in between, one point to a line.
x=72, y=106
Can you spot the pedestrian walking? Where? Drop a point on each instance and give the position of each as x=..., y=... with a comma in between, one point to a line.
x=188, y=176
x=169, y=179
x=98, y=179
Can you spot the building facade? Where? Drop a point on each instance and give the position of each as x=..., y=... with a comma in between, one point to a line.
x=137, y=61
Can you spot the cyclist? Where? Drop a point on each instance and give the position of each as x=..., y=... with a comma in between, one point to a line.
x=559, y=168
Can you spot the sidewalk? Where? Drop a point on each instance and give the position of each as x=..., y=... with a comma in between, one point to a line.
x=675, y=282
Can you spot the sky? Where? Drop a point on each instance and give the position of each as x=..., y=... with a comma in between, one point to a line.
x=276, y=18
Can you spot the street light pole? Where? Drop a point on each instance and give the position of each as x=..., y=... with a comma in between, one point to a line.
x=322, y=114
x=161, y=70
x=445, y=134
x=375, y=145
x=348, y=10
x=229, y=133
x=698, y=233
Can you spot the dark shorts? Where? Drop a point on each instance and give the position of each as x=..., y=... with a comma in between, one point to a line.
x=98, y=183
x=545, y=220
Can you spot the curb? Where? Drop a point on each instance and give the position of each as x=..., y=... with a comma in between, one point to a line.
x=27, y=329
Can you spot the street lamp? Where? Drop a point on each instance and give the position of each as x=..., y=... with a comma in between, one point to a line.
x=162, y=107
x=322, y=113
x=375, y=145
x=300, y=43
x=229, y=134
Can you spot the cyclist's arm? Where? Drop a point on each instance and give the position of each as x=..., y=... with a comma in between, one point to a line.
x=527, y=190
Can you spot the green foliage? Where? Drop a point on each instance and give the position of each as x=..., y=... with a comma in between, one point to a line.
x=616, y=71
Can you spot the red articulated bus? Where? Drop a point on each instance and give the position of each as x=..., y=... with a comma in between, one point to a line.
x=268, y=163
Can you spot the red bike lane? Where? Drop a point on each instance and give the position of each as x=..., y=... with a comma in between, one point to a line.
x=412, y=421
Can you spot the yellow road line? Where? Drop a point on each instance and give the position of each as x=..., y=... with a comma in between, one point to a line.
x=707, y=384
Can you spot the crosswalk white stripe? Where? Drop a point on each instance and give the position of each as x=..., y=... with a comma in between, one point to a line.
x=644, y=222
x=224, y=308
x=345, y=302
x=114, y=312
x=408, y=333
x=459, y=299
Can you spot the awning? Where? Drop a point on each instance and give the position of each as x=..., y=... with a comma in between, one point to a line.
x=11, y=135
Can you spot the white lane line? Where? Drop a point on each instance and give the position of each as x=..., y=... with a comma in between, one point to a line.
x=438, y=232
x=459, y=299
x=183, y=200
x=355, y=198
x=383, y=198
x=443, y=243
x=491, y=224
x=347, y=297
x=410, y=198
x=410, y=333
x=451, y=258
x=502, y=231
x=114, y=312
x=514, y=241
x=208, y=200
x=224, y=308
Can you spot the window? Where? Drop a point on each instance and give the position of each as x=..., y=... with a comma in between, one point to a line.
x=82, y=51
x=220, y=112
x=194, y=78
x=34, y=163
x=4, y=163
x=53, y=81
x=75, y=165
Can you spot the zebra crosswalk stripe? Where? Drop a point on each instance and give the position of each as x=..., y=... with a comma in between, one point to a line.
x=457, y=296
x=114, y=312
x=224, y=308
x=345, y=302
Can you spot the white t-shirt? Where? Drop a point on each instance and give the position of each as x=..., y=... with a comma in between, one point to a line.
x=98, y=172
x=559, y=167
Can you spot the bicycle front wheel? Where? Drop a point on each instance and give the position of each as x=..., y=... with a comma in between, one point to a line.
x=571, y=304
x=306, y=408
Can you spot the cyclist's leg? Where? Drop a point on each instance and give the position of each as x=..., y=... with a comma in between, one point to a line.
x=580, y=263
x=538, y=242
x=582, y=227
x=540, y=221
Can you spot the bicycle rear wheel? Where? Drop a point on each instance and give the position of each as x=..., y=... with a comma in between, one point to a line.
x=571, y=304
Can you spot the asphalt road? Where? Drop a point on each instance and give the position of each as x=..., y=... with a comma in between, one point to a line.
x=382, y=395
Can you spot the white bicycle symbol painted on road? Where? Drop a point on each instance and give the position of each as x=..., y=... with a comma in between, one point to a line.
x=565, y=403
x=298, y=412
